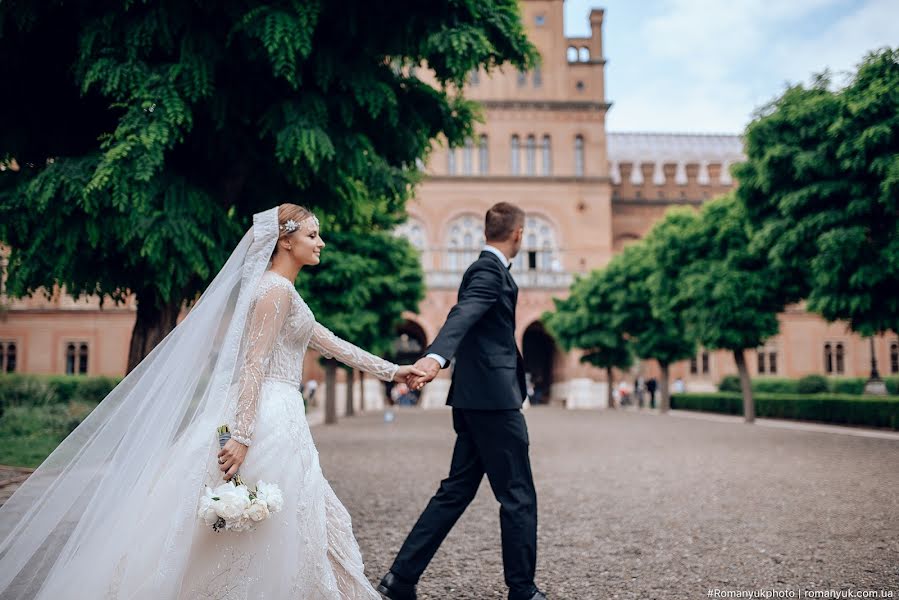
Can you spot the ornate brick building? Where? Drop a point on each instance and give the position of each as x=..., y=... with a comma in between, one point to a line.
x=587, y=193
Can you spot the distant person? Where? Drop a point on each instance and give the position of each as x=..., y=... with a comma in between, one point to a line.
x=311, y=387
x=651, y=387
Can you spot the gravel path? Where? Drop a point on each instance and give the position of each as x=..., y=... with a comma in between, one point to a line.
x=637, y=505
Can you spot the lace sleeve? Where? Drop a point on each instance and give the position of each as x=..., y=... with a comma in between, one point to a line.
x=332, y=346
x=267, y=317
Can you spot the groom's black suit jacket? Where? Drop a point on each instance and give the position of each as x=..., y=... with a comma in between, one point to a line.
x=480, y=333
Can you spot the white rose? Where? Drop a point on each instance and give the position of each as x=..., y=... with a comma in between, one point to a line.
x=258, y=510
x=207, y=509
x=232, y=501
x=271, y=493
x=239, y=525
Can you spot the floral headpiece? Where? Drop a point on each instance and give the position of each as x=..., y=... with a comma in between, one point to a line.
x=290, y=225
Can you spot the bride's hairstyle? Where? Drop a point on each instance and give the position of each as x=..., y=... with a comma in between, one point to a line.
x=289, y=216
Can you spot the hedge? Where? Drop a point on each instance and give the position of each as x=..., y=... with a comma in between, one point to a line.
x=785, y=385
x=844, y=409
x=42, y=390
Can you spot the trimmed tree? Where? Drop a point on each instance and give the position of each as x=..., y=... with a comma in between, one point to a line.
x=661, y=339
x=583, y=321
x=138, y=138
x=726, y=294
x=821, y=185
x=359, y=291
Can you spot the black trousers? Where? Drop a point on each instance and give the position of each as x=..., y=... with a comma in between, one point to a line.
x=495, y=443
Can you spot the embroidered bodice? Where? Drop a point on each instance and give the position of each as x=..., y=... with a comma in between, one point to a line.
x=280, y=327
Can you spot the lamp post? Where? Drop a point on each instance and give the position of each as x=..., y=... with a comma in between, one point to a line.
x=875, y=385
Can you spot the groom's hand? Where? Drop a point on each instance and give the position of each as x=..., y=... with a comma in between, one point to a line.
x=429, y=366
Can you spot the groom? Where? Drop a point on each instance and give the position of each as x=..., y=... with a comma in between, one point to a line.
x=487, y=390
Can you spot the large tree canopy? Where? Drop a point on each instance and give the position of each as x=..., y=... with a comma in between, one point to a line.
x=585, y=321
x=821, y=186
x=139, y=137
x=663, y=339
x=706, y=273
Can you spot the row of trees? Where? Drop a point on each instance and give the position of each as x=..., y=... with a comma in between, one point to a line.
x=137, y=139
x=815, y=217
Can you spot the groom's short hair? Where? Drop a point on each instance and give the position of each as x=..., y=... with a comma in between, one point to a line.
x=501, y=221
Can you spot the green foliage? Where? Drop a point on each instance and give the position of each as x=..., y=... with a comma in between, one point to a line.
x=783, y=385
x=142, y=136
x=43, y=390
x=821, y=186
x=663, y=339
x=813, y=384
x=870, y=411
x=706, y=272
x=583, y=321
x=362, y=286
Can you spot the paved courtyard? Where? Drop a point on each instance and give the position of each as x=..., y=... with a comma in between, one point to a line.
x=637, y=505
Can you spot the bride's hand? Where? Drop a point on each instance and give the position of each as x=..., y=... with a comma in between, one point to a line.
x=231, y=457
x=404, y=371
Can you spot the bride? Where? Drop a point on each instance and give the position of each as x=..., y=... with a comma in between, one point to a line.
x=112, y=512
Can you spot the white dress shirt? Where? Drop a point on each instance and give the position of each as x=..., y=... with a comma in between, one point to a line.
x=488, y=248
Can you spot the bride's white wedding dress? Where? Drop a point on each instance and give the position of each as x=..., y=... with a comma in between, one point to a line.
x=307, y=550
x=112, y=513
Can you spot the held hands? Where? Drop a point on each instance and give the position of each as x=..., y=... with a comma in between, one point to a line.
x=231, y=457
x=407, y=371
x=427, y=370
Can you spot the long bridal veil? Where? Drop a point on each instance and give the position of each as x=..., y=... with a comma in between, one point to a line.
x=80, y=521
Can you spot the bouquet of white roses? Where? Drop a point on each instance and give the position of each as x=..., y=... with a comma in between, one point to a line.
x=233, y=506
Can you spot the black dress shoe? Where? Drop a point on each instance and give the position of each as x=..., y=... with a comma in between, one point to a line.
x=538, y=595
x=394, y=588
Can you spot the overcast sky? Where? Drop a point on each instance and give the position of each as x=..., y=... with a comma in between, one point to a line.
x=706, y=65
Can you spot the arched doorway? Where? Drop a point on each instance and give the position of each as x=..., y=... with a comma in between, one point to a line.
x=539, y=351
x=408, y=347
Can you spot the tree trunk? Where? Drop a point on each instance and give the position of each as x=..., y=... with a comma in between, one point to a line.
x=663, y=389
x=745, y=385
x=362, y=391
x=611, y=396
x=150, y=327
x=330, y=392
x=350, y=411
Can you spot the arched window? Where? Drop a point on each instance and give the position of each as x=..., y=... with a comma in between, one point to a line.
x=465, y=239
x=694, y=366
x=840, y=356
x=546, y=154
x=70, y=359
x=531, y=155
x=483, y=155
x=82, y=359
x=583, y=54
x=579, y=156
x=515, y=155
x=76, y=358
x=8, y=357
x=467, y=156
x=414, y=231
x=894, y=357
x=450, y=161
x=522, y=78
x=705, y=362
x=571, y=54
x=540, y=248
x=538, y=77
x=767, y=357
x=828, y=358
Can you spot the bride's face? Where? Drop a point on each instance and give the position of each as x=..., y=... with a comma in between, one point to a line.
x=307, y=245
